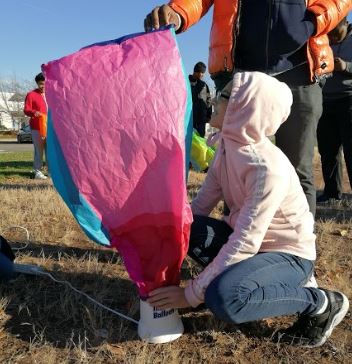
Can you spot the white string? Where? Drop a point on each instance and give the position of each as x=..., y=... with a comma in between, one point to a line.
x=88, y=297
x=40, y=272
x=22, y=228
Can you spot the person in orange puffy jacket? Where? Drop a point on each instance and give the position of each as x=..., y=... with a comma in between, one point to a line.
x=35, y=107
x=284, y=39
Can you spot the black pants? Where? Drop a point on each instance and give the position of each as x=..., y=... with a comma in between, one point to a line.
x=335, y=133
x=200, y=127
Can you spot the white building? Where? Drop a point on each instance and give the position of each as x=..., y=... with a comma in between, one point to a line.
x=11, y=110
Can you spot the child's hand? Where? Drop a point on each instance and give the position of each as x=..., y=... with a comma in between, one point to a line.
x=166, y=298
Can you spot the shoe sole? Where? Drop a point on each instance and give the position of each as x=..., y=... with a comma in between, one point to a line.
x=335, y=321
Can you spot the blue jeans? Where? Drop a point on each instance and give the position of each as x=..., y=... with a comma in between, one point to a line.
x=6, y=267
x=39, y=148
x=265, y=285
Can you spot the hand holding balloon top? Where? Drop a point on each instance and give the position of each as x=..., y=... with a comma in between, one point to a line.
x=161, y=15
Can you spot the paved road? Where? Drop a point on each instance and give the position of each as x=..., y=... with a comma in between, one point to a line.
x=11, y=145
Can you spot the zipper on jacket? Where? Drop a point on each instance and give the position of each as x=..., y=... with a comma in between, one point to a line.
x=268, y=35
x=225, y=64
x=235, y=32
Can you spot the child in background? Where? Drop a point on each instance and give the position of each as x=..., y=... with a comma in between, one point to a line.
x=259, y=258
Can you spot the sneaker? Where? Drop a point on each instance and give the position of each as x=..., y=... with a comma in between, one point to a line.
x=312, y=282
x=313, y=330
x=40, y=175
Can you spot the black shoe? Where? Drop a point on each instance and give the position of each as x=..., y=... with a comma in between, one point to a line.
x=324, y=199
x=199, y=308
x=313, y=331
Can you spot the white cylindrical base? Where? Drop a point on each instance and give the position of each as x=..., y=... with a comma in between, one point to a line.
x=158, y=326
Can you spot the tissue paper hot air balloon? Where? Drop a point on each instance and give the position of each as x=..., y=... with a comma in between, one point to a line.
x=119, y=132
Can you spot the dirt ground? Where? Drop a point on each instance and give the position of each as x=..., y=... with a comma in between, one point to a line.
x=42, y=321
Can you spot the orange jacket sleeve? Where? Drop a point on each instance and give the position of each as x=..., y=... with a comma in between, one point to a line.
x=328, y=13
x=191, y=11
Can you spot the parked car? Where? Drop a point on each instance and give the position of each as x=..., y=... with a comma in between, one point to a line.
x=24, y=135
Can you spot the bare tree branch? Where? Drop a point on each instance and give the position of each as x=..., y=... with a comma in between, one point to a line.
x=12, y=96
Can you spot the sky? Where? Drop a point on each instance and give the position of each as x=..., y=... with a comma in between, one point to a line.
x=33, y=32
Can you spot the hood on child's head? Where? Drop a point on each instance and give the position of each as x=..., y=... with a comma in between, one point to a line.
x=258, y=105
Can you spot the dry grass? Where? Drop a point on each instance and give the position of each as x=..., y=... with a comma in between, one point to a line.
x=44, y=322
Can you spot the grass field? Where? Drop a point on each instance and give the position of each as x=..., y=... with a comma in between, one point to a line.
x=45, y=322
x=15, y=165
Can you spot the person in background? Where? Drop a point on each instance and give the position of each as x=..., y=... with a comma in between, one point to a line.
x=335, y=126
x=285, y=39
x=258, y=260
x=200, y=98
x=35, y=105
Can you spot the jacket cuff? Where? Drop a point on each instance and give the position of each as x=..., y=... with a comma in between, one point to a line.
x=179, y=22
x=191, y=296
x=348, y=67
x=184, y=24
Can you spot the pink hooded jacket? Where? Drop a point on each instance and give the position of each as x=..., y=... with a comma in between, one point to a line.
x=268, y=209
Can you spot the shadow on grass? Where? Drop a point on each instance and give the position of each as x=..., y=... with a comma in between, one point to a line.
x=339, y=211
x=43, y=311
x=16, y=168
x=17, y=164
x=17, y=186
x=102, y=255
x=57, y=252
x=15, y=173
x=203, y=321
x=13, y=141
